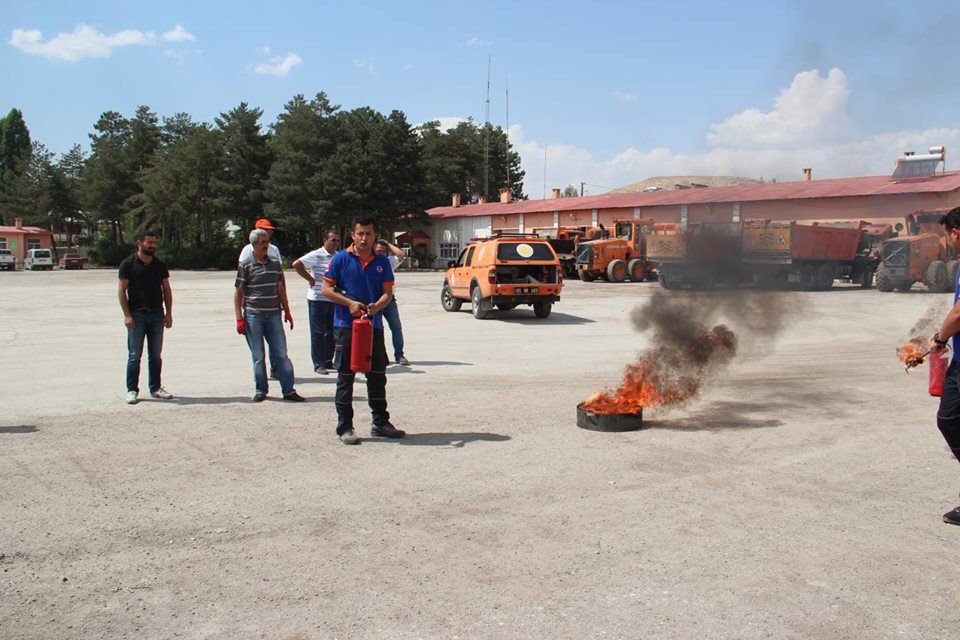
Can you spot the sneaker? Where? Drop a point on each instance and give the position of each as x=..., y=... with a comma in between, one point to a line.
x=320, y=371
x=952, y=517
x=293, y=396
x=131, y=397
x=386, y=430
x=259, y=396
x=403, y=361
x=349, y=437
x=161, y=393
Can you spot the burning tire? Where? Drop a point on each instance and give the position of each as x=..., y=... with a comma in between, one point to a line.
x=617, y=271
x=447, y=301
x=608, y=421
x=936, y=276
x=637, y=269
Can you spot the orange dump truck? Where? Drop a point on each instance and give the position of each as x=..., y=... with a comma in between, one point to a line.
x=700, y=256
x=811, y=255
x=922, y=255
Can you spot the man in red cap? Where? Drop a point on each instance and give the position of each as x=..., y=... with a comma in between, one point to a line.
x=272, y=250
x=274, y=253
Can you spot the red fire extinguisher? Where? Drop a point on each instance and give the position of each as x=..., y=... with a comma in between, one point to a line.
x=939, y=361
x=361, y=345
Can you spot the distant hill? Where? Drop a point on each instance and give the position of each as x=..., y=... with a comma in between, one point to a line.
x=679, y=182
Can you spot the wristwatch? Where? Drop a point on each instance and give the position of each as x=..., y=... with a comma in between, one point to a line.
x=937, y=340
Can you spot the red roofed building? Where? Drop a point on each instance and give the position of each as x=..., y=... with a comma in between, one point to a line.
x=20, y=239
x=877, y=199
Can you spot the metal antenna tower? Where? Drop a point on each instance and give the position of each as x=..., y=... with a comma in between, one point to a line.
x=507, y=158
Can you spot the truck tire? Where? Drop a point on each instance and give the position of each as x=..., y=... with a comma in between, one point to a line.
x=447, y=301
x=903, y=285
x=637, y=269
x=480, y=308
x=587, y=276
x=936, y=276
x=542, y=309
x=866, y=278
x=617, y=271
x=824, y=278
x=952, y=275
x=884, y=282
x=808, y=278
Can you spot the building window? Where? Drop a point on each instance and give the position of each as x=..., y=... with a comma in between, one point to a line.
x=3, y=243
x=33, y=243
x=449, y=250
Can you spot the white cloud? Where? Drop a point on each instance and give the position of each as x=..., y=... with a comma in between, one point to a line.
x=624, y=97
x=279, y=66
x=83, y=42
x=179, y=34
x=812, y=109
x=474, y=41
x=366, y=64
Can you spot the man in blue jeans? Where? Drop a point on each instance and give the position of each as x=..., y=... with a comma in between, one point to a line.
x=391, y=313
x=260, y=295
x=144, y=293
x=311, y=268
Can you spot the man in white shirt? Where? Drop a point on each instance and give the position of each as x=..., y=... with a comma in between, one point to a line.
x=391, y=313
x=272, y=252
x=311, y=268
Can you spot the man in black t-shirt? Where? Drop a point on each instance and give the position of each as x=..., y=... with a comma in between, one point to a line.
x=144, y=294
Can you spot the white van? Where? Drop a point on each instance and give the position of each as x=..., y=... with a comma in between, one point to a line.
x=38, y=259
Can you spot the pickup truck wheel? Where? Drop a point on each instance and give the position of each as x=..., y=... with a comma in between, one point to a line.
x=617, y=271
x=936, y=276
x=952, y=275
x=637, y=270
x=542, y=309
x=447, y=301
x=480, y=310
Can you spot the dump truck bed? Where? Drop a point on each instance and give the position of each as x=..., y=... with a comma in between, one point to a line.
x=784, y=243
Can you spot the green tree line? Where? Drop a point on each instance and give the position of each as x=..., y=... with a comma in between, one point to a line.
x=316, y=167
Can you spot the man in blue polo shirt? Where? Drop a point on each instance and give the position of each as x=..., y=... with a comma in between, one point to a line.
x=360, y=282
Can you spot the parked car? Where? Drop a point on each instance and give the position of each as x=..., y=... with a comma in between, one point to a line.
x=506, y=270
x=38, y=259
x=7, y=260
x=72, y=261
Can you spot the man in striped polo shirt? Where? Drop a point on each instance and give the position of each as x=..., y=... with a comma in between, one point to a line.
x=259, y=297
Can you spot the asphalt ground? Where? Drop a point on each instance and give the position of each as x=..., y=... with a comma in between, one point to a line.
x=799, y=497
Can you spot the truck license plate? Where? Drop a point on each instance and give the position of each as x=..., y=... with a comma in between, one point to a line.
x=527, y=290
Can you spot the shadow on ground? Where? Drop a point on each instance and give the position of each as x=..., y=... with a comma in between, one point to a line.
x=723, y=415
x=454, y=440
x=555, y=318
x=20, y=428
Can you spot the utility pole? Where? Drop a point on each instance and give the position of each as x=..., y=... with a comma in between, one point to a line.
x=486, y=139
x=544, y=174
x=507, y=159
x=581, y=188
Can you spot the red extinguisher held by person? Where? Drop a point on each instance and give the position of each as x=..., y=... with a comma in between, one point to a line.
x=939, y=361
x=361, y=345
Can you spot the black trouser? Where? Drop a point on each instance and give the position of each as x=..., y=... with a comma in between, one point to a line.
x=376, y=380
x=948, y=416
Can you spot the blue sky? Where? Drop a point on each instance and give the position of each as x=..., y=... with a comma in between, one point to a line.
x=611, y=92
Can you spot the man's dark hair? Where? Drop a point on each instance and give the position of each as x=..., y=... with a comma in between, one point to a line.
x=363, y=221
x=144, y=233
x=951, y=220
x=329, y=233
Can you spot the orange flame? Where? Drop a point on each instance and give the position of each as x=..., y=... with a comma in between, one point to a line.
x=912, y=353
